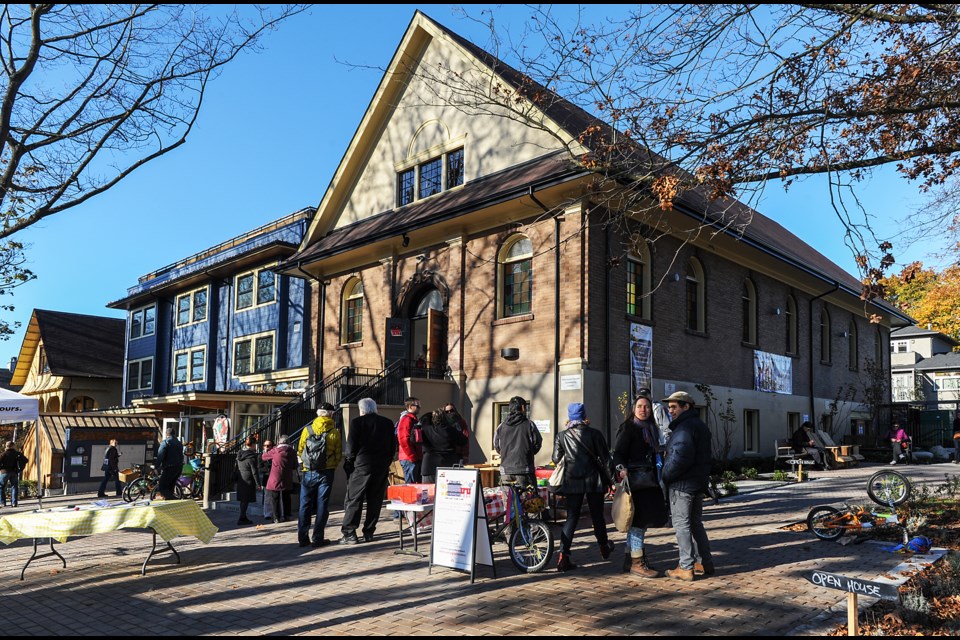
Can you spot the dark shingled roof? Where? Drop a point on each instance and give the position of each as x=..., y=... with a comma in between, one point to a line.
x=939, y=362
x=81, y=345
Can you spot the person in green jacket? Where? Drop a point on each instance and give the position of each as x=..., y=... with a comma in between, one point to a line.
x=317, y=483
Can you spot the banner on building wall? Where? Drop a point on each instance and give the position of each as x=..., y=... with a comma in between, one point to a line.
x=772, y=373
x=641, y=357
x=221, y=429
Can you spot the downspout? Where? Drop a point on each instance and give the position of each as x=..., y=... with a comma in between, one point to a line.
x=321, y=303
x=556, y=314
x=836, y=286
x=606, y=334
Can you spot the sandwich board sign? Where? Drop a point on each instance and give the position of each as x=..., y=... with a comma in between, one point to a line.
x=460, y=538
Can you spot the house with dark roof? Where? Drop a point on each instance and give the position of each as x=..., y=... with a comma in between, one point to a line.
x=219, y=339
x=71, y=362
x=464, y=248
x=924, y=368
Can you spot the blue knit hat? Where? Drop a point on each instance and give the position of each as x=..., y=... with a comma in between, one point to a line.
x=576, y=411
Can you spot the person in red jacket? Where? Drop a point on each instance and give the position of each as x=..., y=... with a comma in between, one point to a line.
x=411, y=457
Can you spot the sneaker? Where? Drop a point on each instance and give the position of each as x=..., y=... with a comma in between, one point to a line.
x=606, y=549
x=368, y=537
x=349, y=539
x=892, y=462
x=304, y=542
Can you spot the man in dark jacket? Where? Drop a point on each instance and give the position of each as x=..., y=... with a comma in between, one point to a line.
x=111, y=470
x=517, y=440
x=371, y=445
x=169, y=463
x=686, y=473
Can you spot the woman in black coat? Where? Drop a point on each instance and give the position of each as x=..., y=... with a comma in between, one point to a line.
x=636, y=449
x=443, y=440
x=247, y=478
x=583, y=451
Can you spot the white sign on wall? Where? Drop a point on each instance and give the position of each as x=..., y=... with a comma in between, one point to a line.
x=570, y=383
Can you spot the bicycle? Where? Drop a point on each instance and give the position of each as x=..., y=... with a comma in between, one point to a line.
x=529, y=539
x=146, y=484
x=887, y=488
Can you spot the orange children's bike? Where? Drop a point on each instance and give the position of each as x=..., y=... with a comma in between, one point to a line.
x=887, y=487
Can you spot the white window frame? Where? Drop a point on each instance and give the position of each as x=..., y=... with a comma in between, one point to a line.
x=255, y=292
x=252, y=339
x=143, y=324
x=353, y=290
x=189, y=353
x=192, y=307
x=140, y=361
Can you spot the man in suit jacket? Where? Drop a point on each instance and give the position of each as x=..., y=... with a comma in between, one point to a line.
x=370, y=448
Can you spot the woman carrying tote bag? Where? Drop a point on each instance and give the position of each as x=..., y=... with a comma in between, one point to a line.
x=635, y=457
x=584, y=452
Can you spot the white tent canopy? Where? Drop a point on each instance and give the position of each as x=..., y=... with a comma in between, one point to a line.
x=16, y=407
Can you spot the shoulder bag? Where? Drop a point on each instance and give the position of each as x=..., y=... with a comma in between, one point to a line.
x=556, y=478
x=622, y=508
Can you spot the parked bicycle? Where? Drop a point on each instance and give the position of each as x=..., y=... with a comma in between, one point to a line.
x=146, y=484
x=529, y=539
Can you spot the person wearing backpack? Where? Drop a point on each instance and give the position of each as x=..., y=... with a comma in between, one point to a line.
x=409, y=439
x=320, y=451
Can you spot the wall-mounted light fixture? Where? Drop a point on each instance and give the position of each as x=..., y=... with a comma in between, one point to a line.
x=777, y=311
x=406, y=240
x=510, y=353
x=676, y=277
x=843, y=334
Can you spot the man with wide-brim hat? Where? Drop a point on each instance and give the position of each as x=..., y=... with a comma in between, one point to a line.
x=686, y=474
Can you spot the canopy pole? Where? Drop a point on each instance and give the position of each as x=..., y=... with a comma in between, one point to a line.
x=36, y=460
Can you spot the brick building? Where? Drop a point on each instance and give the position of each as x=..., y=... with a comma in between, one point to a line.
x=466, y=245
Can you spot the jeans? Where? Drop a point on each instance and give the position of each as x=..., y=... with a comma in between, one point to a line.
x=102, y=492
x=635, y=537
x=574, y=504
x=14, y=480
x=315, y=490
x=411, y=471
x=687, y=511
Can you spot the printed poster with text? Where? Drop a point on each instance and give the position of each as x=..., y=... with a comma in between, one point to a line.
x=455, y=521
x=641, y=357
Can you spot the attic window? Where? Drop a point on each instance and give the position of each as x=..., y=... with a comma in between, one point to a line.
x=430, y=177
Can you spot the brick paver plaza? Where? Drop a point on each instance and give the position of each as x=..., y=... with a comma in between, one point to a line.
x=259, y=581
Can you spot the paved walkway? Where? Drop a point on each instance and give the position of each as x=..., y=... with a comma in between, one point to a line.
x=259, y=581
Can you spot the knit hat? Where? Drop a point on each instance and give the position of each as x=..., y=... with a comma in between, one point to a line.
x=576, y=411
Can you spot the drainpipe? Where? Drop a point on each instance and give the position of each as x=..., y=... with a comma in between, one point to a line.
x=836, y=286
x=556, y=315
x=321, y=303
x=606, y=333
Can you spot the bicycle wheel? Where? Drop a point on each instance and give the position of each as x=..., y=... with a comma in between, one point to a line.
x=822, y=522
x=177, y=492
x=134, y=491
x=531, y=546
x=888, y=488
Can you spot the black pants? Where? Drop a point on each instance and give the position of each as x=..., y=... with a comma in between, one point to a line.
x=367, y=486
x=168, y=478
x=574, y=504
x=280, y=500
x=107, y=476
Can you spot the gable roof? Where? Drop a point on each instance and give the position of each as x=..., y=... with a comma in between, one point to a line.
x=914, y=331
x=74, y=345
x=728, y=216
x=939, y=362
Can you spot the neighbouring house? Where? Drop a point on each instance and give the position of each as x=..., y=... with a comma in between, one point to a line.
x=71, y=362
x=925, y=377
x=463, y=252
x=218, y=340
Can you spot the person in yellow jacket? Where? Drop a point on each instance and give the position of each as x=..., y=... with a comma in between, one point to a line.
x=316, y=484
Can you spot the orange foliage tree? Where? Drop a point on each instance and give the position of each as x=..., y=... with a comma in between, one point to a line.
x=932, y=298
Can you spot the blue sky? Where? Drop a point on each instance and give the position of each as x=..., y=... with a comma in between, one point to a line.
x=272, y=130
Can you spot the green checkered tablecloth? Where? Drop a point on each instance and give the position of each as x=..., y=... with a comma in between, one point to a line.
x=169, y=519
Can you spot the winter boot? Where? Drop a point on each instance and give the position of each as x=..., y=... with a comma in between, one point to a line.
x=627, y=561
x=680, y=574
x=706, y=568
x=642, y=569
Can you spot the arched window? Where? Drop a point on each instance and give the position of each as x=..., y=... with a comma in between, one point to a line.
x=825, y=336
x=351, y=312
x=749, y=298
x=792, y=347
x=515, y=278
x=854, y=345
x=696, y=297
x=638, y=281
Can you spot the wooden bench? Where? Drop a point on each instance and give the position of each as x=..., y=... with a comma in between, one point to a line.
x=842, y=456
x=784, y=451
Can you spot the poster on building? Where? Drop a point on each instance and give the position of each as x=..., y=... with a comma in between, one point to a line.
x=221, y=429
x=641, y=357
x=772, y=373
x=460, y=539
